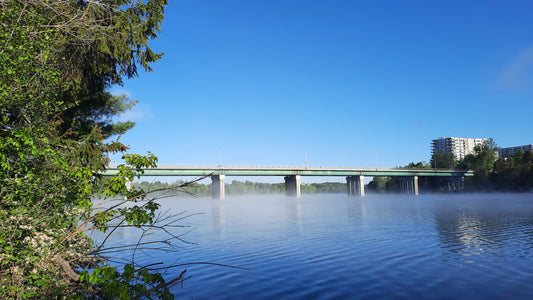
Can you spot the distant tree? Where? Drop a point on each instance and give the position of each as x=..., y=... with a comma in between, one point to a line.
x=378, y=184
x=307, y=189
x=277, y=188
x=418, y=165
x=237, y=187
x=330, y=187
x=515, y=173
x=392, y=184
x=443, y=160
x=482, y=163
x=168, y=189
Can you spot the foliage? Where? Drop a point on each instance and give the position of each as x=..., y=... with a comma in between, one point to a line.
x=392, y=184
x=378, y=184
x=418, y=165
x=58, y=58
x=515, y=173
x=329, y=187
x=236, y=187
x=239, y=188
x=443, y=160
x=40, y=242
x=490, y=172
x=116, y=285
x=481, y=162
x=138, y=211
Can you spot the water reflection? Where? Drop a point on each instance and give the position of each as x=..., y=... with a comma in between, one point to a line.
x=480, y=229
x=218, y=217
x=294, y=213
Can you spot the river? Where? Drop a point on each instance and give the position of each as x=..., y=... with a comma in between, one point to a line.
x=332, y=246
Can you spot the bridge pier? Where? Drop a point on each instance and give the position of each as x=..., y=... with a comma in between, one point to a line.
x=355, y=185
x=292, y=186
x=409, y=185
x=217, y=186
x=456, y=183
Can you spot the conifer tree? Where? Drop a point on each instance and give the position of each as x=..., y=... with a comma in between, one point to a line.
x=58, y=60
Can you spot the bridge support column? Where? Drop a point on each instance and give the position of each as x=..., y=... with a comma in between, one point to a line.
x=409, y=185
x=355, y=185
x=217, y=186
x=456, y=184
x=292, y=186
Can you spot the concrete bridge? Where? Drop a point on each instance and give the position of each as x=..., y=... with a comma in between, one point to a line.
x=292, y=175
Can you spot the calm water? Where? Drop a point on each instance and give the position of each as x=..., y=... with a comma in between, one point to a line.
x=340, y=247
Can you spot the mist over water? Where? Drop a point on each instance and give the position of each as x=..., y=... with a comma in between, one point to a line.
x=325, y=246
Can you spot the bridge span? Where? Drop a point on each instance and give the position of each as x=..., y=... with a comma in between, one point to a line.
x=292, y=176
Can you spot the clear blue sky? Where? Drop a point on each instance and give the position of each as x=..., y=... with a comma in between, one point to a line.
x=344, y=81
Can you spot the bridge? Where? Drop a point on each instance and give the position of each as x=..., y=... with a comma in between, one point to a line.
x=292, y=176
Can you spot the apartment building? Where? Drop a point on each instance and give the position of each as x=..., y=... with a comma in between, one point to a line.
x=509, y=151
x=460, y=147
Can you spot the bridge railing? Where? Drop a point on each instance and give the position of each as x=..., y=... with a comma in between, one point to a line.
x=300, y=167
x=289, y=167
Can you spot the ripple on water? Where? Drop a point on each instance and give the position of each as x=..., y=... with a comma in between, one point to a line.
x=381, y=246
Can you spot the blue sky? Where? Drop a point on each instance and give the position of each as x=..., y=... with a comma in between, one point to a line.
x=348, y=83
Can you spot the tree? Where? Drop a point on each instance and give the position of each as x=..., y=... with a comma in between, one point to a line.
x=481, y=162
x=58, y=58
x=418, y=165
x=443, y=160
x=392, y=184
x=378, y=184
x=515, y=173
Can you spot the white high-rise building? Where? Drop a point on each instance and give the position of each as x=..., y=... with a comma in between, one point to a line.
x=460, y=147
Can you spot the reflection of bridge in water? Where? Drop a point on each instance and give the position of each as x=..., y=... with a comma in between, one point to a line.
x=292, y=175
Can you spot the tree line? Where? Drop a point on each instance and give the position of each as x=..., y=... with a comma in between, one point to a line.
x=236, y=187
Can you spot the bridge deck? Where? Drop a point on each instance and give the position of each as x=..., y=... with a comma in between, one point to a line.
x=287, y=171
